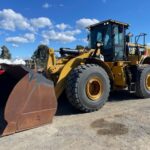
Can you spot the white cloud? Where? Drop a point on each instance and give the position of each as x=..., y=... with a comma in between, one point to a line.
x=65, y=36
x=62, y=26
x=27, y=38
x=30, y=37
x=10, y=20
x=85, y=40
x=15, y=45
x=73, y=32
x=85, y=22
x=41, y=22
x=57, y=36
x=46, y=5
x=16, y=39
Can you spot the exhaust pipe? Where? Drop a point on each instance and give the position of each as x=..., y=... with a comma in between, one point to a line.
x=27, y=99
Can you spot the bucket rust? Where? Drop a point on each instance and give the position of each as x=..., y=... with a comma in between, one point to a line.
x=27, y=99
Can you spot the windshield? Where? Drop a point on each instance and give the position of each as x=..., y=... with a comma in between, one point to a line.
x=101, y=34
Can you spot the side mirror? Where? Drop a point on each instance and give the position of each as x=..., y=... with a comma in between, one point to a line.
x=127, y=38
x=99, y=44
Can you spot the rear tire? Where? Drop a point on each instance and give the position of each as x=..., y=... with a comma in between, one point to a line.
x=88, y=87
x=143, y=82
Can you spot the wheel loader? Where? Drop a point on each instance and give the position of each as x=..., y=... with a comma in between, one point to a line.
x=110, y=62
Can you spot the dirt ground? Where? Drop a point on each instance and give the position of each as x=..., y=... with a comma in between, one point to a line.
x=122, y=124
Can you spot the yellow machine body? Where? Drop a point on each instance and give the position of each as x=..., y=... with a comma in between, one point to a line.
x=59, y=69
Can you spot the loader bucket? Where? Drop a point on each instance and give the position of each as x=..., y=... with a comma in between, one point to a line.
x=27, y=99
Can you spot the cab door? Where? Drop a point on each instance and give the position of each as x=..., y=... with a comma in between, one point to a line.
x=119, y=42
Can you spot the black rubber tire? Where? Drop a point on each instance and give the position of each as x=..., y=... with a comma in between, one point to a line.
x=141, y=90
x=76, y=83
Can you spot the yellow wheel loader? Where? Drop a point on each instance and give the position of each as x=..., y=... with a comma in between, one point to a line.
x=111, y=62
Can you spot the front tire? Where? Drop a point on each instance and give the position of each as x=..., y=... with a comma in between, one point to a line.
x=88, y=87
x=143, y=82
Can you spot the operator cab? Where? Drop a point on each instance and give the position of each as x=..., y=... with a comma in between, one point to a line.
x=112, y=36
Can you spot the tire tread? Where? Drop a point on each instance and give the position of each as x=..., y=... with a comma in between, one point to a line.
x=72, y=82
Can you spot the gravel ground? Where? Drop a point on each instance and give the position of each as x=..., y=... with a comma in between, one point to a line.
x=122, y=124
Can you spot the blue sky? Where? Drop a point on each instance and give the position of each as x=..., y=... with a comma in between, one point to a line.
x=60, y=23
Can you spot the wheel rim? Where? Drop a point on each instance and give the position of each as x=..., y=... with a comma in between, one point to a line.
x=148, y=82
x=94, y=88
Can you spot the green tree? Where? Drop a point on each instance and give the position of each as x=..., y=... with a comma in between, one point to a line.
x=78, y=47
x=40, y=55
x=5, y=54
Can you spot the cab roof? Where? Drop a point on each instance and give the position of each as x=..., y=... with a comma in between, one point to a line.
x=110, y=21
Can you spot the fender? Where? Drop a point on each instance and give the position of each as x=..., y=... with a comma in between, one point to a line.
x=103, y=64
x=71, y=64
x=145, y=60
